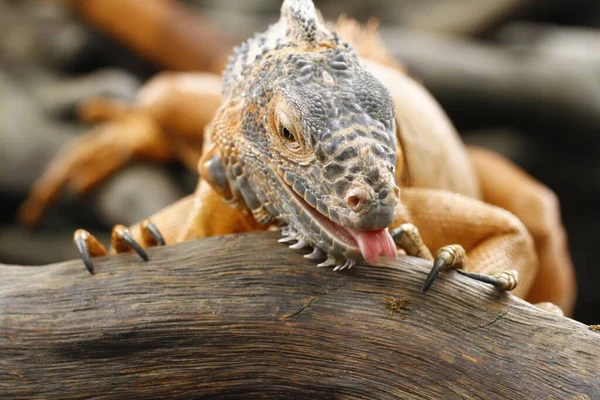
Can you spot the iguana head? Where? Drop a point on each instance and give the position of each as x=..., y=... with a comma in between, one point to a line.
x=312, y=139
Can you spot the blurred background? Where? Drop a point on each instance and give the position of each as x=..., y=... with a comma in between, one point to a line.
x=519, y=76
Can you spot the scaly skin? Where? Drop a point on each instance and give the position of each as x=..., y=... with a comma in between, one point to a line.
x=303, y=126
x=333, y=168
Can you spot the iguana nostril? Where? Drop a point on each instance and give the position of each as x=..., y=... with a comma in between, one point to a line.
x=357, y=199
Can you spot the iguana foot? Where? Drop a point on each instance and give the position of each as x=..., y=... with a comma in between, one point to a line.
x=505, y=280
x=88, y=247
x=550, y=307
x=121, y=241
x=151, y=235
x=408, y=238
x=89, y=159
x=454, y=257
x=447, y=257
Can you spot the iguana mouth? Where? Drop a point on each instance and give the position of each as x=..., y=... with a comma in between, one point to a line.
x=371, y=245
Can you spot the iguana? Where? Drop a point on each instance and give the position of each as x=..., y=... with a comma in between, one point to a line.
x=317, y=130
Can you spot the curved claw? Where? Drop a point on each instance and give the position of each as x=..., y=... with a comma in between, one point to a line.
x=84, y=252
x=135, y=245
x=506, y=280
x=397, y=235
x=480, y=277
x=438, y=266
x=88, y=247
x=154, y=233
x=450, y=256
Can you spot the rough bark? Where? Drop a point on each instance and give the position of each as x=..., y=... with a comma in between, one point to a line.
x=244, y=317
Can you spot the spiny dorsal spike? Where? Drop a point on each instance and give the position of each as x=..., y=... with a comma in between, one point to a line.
x=302, y=19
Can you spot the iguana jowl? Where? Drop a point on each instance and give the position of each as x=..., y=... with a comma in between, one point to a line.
x=315, y=135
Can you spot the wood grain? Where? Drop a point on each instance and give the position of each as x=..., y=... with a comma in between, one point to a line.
x=244, y=317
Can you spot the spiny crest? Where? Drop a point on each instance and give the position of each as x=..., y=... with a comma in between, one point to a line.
x=302, y=20
x=300, y=25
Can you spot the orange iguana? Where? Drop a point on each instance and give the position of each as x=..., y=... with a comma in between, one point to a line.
x=317, y=130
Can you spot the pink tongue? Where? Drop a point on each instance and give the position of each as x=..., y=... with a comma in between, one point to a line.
x=374, y=243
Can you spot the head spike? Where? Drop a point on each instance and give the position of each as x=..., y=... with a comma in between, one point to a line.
x=302, y=19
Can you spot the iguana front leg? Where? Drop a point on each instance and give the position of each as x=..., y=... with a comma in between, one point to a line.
x=506, y=185
x=166, y=227
x=167, y=121
x=494, y=240
x=121, y=241
x=203, y=214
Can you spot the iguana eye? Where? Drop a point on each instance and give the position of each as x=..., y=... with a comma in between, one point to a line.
x=287, y=135
x=286, y=131
x=289, y=138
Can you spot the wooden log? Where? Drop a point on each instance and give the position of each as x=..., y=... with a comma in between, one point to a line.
x=244, y=317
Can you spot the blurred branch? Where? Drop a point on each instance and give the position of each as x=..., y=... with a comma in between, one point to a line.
x=29, y=139
x=59, y=95
x=166, y=32
x=536, y=88
x=581, y=44
x=465, y=17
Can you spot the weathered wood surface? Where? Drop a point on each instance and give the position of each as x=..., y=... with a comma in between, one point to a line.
x=244, y=317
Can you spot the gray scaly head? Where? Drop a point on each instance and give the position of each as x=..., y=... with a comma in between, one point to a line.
x=306, y=138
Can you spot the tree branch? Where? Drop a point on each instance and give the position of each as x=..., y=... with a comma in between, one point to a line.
x=505, y=86
x=244, y=317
